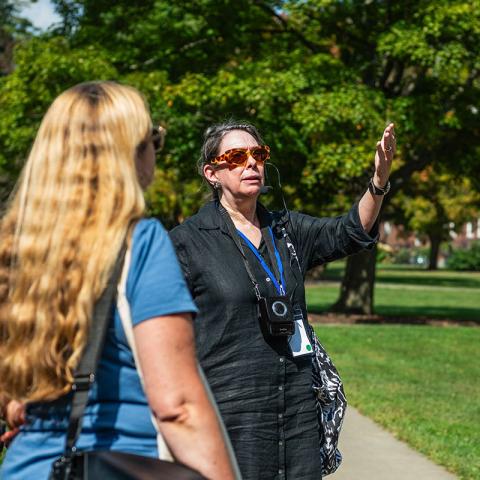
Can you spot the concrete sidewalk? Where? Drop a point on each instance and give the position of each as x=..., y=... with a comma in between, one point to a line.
x=371, y=453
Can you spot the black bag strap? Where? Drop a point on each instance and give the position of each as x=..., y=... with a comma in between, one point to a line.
x=291, y=249
x=87, y=368
x=236, y=239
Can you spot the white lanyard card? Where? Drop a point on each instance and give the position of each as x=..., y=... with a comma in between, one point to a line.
x=299, y=342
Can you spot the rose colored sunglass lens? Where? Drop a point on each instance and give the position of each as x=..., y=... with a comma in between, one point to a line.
x=237, y=156
x=260, y=154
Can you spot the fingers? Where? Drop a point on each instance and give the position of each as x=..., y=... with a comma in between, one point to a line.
x=15, y=413
x=385, y=150
x=389, y=144
x=7, y=437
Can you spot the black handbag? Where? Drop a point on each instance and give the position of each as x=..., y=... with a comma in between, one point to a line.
x=330, y=403
x=106, y=465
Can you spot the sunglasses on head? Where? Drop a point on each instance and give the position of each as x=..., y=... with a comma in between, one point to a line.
x=239, y=156
x=158, y=138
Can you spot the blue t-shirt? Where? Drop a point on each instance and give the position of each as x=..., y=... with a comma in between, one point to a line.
x=117, y=416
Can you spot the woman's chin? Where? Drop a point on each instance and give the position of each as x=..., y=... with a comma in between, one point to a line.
x=251, y=190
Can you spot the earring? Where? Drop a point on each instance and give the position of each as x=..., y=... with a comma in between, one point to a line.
x=217, y=185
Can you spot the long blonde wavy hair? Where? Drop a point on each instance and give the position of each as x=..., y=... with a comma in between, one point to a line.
x=77, y=198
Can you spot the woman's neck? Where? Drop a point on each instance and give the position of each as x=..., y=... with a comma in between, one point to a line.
x=242, y=211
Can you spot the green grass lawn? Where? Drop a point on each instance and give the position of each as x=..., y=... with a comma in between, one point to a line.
x=406, y=292
x=420, y=382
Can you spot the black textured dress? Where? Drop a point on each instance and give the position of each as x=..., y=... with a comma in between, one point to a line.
x=263, y=392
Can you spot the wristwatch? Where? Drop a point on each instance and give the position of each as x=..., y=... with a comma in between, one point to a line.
x=374, y=190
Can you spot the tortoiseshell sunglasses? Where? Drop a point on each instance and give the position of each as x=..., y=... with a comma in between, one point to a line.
x=239, y=156
x=158, y=138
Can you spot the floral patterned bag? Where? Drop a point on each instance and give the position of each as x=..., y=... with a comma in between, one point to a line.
x=331, y=405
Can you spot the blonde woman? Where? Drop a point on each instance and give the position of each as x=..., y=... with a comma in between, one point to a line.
x=79, y=196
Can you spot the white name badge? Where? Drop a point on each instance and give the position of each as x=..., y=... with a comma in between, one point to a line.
x=299, y=342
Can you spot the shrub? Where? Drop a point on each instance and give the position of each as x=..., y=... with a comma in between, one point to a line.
x=465, y=258
x=411, y=256
x=402, y=256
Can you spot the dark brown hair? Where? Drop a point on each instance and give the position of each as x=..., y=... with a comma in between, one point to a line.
x=212, y=138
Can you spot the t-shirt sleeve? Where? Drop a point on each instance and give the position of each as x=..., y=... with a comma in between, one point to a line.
x=155, y=283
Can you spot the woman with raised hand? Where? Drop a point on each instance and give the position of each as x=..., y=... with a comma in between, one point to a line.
x=78, y=200
x=245, y=267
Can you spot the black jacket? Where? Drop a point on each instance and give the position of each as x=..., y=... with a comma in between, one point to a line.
x=264, y=393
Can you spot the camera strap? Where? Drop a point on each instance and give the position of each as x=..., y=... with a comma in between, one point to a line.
x=236, y=239
x=267, y=235
x=277, y=280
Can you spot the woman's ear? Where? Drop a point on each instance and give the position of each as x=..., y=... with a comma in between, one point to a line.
x=210, y=174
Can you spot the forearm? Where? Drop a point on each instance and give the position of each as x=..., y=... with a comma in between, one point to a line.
x=177, y=396
x=370, y=204
x=193, y=434
x=369, y=208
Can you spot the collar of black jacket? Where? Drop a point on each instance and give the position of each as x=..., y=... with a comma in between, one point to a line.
x=210, y=217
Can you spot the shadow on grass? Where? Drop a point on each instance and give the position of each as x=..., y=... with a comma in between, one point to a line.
x=457, y=312
x=412, y=315
x=431, y=281
x=418, y=277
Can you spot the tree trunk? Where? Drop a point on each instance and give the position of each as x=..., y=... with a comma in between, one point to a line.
x=435, y=241
x=6, y=52
x=356, y=295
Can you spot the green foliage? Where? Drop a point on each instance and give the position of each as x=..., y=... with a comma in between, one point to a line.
x=44, y=67
x=192, y=36
x=402, y=256
x=317, y=79
x=12, y=29
x=465, y=258
x=432, y=202
x=410, y=256
x=10, y=21
x=383, y=253
x=173, y=201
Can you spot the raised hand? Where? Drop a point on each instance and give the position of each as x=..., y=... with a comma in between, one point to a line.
x=386, y=148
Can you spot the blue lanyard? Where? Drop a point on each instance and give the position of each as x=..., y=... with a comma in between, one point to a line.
x=279, y=287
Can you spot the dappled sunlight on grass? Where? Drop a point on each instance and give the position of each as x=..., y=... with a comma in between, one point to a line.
x=419, y=382
x=442, y=295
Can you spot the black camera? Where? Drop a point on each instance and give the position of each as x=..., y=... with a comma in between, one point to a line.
x=276, y=315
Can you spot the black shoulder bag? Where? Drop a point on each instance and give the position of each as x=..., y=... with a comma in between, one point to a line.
x=107, y=465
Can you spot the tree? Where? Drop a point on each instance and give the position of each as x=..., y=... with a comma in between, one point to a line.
x=432, y=203
x=12, y=30
x=320, y=78
x=421, y=59
x=43, y=69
